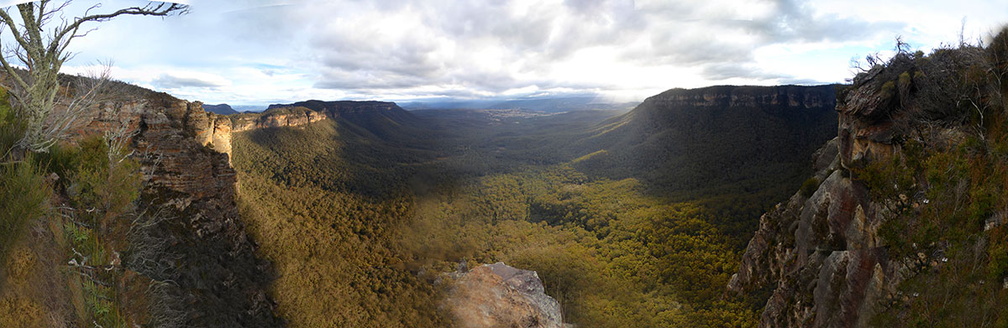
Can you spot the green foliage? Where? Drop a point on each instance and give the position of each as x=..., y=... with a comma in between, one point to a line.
x=809, y=186
x=104, y=177
x=101, y=185
x=23, y=196
x=23, y=189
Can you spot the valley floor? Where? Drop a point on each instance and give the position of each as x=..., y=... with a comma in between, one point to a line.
x=361, y=228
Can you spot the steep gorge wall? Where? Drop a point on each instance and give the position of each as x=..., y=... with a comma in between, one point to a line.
x=824, y=255
x=214, y=130
x=190, y=244
x=820, y=251
x=195, y=248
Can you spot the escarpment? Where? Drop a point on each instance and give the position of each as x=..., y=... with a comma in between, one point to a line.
x=188, y=246
x=870, y=237
x=793, y=97
x=276, y=117
x=335, y=109
x=215, y=130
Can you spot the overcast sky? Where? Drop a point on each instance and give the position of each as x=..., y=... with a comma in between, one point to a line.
x=247, y=52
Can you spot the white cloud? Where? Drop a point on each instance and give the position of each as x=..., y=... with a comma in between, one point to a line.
x=263, y=51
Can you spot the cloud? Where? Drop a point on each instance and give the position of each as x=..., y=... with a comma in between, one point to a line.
x=420, y=48
x=499, y=46
x=725, y=71
x=170, y=81
x=797, y=21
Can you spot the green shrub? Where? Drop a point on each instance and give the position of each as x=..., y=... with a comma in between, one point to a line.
x=23, y=197
x=809, y=187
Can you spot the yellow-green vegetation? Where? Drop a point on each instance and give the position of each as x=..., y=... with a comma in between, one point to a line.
x=82, y=211
x=336, y=252
x=611, y=255
x=360, y=230
x=23, y=189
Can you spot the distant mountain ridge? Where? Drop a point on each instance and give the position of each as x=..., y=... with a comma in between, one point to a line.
x=540, y=104
x=342, y=107
x=223, y=109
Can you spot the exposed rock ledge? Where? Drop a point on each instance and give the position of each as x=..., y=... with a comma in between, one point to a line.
x=214, y=130
x=498, y=295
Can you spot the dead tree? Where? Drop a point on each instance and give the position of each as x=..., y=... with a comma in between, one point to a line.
x=32, y=64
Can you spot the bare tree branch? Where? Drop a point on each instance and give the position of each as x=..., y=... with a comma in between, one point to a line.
x=35, y=91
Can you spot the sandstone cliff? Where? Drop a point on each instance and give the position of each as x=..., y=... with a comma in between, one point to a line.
x=498, y=295
x=784, y=97
x=190, y=244
x=838, y=253
x=276, y=117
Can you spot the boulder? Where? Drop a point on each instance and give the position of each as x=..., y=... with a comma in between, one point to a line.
x=498, y=295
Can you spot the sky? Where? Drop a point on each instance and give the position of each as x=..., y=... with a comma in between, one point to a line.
x=257, y=52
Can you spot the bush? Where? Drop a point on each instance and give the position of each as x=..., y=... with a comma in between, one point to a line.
x=809, y=187
x=23, y=195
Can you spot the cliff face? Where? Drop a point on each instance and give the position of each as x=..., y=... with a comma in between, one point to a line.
x=345, y=108
x=192, y=246
x=276, y=117
x=820, y=252
x=188, y=246
x=703, y=138
x=838, y=253
x=498, y=295
x=747, y=97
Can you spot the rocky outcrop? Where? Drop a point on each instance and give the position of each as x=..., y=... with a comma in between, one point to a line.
x=498, y=295
x=192, y=244
x=820, y=255
x=820, y=252
x=214, y=130
x=276, y=117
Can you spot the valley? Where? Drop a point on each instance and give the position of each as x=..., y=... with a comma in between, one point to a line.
x=364, y=214
x=510, y=184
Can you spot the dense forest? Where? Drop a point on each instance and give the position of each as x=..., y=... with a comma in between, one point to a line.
x=363, y=221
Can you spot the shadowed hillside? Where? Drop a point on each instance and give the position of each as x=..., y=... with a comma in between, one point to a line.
x=715, y=140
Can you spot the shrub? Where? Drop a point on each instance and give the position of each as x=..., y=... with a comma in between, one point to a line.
x=809, y=187
x=23, y=195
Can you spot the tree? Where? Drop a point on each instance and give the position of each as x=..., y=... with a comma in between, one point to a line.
x=42, y=34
